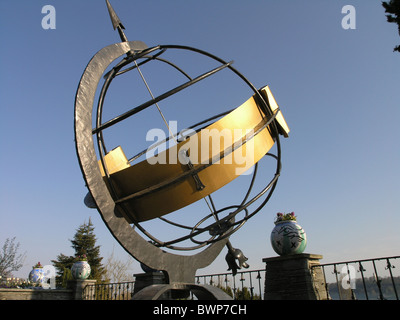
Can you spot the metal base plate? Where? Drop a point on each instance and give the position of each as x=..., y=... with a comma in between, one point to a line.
x=202, y=292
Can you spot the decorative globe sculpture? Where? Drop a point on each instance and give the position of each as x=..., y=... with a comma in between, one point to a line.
x=80, y=270
x=288, y=237
x=36, y=275
x=139, y=194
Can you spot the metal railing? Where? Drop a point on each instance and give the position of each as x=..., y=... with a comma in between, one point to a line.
x=367, y=279
x=245, y=285
x=109, y=291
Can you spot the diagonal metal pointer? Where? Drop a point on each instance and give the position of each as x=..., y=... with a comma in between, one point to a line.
x=233, y=253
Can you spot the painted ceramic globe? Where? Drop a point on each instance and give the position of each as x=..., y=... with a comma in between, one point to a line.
x=36, y=275
x=80, y=270
x=288, y=237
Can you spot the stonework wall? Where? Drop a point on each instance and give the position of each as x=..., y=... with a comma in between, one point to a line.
x=35, y=294
x=74, y=291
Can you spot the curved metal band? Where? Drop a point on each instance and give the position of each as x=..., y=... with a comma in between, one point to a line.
x=179, y=268
x=162, y=184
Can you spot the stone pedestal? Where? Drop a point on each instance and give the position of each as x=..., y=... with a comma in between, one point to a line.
x=294, y=277
x=143, y=280
x=77, y=286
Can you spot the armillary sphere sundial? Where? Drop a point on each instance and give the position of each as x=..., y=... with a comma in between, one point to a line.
x=131, y=194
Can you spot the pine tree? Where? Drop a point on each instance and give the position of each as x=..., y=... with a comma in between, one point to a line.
x=84, y=242
x=62, y=263
x=393, y=8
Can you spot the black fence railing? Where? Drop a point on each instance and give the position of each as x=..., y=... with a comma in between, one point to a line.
x=369, y=279
x=245, y=285
x=109, y=291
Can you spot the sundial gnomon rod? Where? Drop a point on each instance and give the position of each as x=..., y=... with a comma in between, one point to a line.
x=199, y=185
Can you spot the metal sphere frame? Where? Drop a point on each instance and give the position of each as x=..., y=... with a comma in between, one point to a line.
x=230, y=226
x=179, y=268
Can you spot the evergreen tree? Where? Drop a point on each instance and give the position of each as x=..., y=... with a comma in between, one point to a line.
x=67, y=276
x=393, y=8
x=84, y=242
x=62, y=263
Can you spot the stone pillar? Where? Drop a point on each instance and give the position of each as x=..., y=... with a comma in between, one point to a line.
x=293, y=277
x=143, y=280
x=77, y=286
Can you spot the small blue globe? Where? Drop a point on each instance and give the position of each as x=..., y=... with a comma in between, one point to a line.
x=36, y=275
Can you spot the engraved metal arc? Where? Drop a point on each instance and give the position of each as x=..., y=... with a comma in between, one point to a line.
x=179, y=268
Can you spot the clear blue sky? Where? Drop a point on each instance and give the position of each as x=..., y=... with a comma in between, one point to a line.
x=338, y=89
